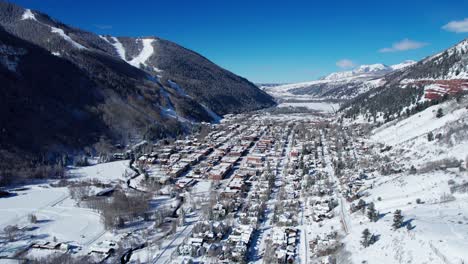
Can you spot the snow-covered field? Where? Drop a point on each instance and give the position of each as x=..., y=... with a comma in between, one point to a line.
x=105, y=172
x=58, y=217
x=318, y=106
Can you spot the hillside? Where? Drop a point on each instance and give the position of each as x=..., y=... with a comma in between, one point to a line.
x=65, y=89
x=414, y=160
x=416, y=87
x=191, y=74
x=423, y=176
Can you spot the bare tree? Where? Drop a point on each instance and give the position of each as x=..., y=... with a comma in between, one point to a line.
x=32, y=218
x=11, y=232
x=173, y=227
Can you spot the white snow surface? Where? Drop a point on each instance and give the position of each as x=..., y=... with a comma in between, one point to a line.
x=403, y=65
x=145, y=53
x=378, y=68
x=417, y=125
x=105, y=172
x=119, y=47
x=66, y=37
x=28, y=14
x=367, y=76
x=57, y=214
x=141, y=58
x=440, y=233
x=319, y=106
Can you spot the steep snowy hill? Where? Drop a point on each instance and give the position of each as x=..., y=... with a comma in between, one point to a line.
x=417, y=86
x=425, y=179
x=64, y=88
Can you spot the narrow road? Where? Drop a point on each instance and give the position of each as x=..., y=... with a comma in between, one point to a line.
x=258, y=244
x=304, y=240
x=166, y=253
x=344, y=213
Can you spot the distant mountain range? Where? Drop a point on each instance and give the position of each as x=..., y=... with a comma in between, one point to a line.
x=64, y=88
x=338, y=85
x=382, y=92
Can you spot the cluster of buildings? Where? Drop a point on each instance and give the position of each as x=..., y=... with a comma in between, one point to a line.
x=245, y=165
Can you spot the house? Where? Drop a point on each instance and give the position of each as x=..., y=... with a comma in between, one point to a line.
x=220, y=171
x=106, y=192
x=184, y=183
x=178, y=169
x=294, y=153
x=51, y=245
x=105, y=247
x=119, y=156
x=230, y=193
x=255, y=160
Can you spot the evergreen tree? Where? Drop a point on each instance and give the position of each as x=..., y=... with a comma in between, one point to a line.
x=397, y=219
x=362, y=205
x=371, y=212
x=181, y=217
x=366, y=236
x=430, y=136
x=439, y=113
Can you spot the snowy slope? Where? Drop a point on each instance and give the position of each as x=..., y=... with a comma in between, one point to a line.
x=139, y=60
x=61, y=33
x=439, y=221
x=403, y=65
x=28, y=14
x=418, y=125
x=119, y=47
x=145, y=53
x=445, y=73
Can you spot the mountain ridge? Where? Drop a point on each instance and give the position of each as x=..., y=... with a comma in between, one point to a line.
x=339, y=85
x=429, y=81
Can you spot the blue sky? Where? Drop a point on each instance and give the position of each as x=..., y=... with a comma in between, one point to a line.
x=278, y=41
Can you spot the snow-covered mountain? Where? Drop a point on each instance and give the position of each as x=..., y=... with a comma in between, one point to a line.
x=416, y=87
x=339, y=85
x=64, y=88
x=363, y=70
x=403, y=65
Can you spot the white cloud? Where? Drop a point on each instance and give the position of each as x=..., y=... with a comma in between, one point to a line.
x=403, y=45
x=457, y=26
x=345, y=63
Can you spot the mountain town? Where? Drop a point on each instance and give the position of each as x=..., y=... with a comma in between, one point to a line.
x=137, y=150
